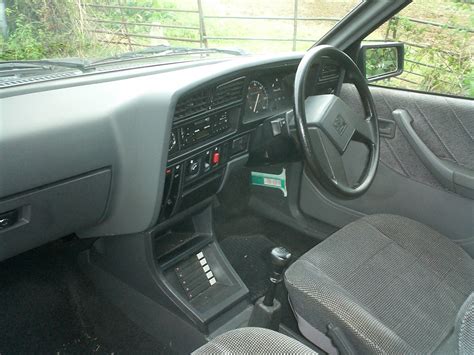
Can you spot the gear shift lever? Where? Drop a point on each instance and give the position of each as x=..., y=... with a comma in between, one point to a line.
x=267, y=310
x=280, y=258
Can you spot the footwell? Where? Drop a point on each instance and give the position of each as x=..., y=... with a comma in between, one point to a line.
x=48, y=306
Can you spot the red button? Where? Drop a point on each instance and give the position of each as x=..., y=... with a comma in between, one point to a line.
x=215, y=158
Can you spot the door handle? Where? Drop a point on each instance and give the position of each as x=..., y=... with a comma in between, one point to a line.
x=452, y=176
x=387, y=128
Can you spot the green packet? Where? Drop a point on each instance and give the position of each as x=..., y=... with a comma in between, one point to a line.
x=270, y=180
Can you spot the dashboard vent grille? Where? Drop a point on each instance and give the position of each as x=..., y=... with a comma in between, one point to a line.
x=329, y=72
x=193, y=104
x=14, y=81
x=209, y=99
x=229, y=92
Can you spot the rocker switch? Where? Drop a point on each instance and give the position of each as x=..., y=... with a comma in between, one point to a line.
x=216, y=158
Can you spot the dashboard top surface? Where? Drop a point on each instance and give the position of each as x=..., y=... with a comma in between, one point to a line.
x=185, y=76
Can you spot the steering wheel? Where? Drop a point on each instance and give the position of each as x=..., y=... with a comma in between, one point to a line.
x=326, y=124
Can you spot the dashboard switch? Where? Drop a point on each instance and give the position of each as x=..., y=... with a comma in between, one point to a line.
x=216, y=158
x=276, y=128
x=207, y=161
x=279, y=126
x=239, y=145
x=194, y=166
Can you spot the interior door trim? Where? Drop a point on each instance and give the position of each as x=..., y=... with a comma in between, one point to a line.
x=452, y=176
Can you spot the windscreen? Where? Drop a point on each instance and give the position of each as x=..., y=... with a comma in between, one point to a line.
x=38, y=29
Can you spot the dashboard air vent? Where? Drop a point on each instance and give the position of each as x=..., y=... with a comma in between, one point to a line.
x=193, y=104
x=209, y=99
x=229, y=92
x=329, y=72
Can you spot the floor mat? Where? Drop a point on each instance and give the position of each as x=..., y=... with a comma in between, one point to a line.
x=248, y=224
x=48, y=306
x=249, y=254
x=250, y=257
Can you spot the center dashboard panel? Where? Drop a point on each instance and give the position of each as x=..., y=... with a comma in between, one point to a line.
x=217, y=127
x=203, y=139
x=213, y=124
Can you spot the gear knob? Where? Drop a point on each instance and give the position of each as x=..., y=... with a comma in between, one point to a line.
x=280, y=257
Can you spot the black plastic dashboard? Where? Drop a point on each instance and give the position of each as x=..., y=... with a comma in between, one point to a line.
x=237, y=103
x=230, y=105
x=214, y=123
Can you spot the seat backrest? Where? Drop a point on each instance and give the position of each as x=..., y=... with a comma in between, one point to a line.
x=464, y=328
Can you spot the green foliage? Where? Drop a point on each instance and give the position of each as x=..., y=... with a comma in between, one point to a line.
x=437, y=59
x=44, y=29
x=379, y=61
x=23, y=43
x=121, y=25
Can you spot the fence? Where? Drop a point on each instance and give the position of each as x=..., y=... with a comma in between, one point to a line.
x=203, y=38
x=117, y=31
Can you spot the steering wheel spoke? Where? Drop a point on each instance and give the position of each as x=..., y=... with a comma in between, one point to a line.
x=364, y=132
x=329, y=156
x=340, y=82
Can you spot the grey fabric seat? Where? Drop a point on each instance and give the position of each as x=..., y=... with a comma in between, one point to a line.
x=253, y=341
x=392, y=285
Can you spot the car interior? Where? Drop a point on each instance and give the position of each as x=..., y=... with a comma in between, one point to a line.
x=280, y=203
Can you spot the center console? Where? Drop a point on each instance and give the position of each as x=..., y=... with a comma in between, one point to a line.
x=172, y=281
x=174, y=276
x=195, y=271
x=176, y=269
x=205, y=137
x=199, y=175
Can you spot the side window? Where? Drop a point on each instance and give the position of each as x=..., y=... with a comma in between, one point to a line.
x=439, y=46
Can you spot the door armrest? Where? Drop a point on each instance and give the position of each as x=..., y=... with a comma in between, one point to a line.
x=452, y=176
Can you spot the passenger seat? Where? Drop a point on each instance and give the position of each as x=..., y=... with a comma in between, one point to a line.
x=253, y=341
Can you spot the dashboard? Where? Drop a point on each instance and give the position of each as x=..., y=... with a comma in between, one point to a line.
x=230, y=105
x=122, y=152
x=217, y=123
x=239, y=103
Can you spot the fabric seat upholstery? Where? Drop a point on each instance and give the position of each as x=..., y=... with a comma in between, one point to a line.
x=253, y=341
x=391, y=284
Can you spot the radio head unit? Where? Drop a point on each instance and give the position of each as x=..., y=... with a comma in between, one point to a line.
x=202, y=129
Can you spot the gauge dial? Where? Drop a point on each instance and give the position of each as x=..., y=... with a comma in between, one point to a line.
x=257, y=97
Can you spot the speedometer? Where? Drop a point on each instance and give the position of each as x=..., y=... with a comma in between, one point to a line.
x=257, y=97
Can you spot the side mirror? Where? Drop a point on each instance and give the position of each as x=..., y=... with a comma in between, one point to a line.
x=379, y=61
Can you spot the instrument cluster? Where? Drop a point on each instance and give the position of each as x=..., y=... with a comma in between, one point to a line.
x=268, y=95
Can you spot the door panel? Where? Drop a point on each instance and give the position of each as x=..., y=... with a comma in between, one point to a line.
x=404, y=185
x=444, y=124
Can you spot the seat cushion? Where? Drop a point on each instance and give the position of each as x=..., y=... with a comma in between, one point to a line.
x=253, y=341
x=389, y=283
x=465, y=327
